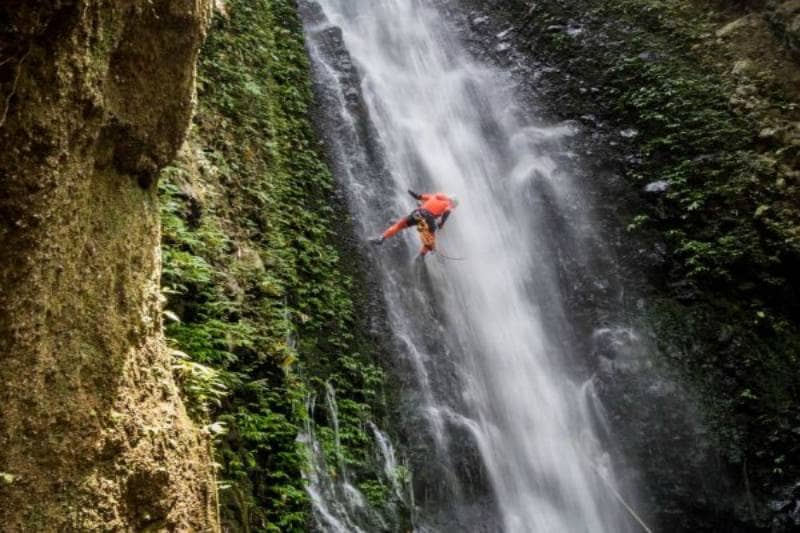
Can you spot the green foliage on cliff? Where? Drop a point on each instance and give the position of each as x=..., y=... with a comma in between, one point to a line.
x=268, y=313
x=715, y=126
x=730, y=224
x=728, y=212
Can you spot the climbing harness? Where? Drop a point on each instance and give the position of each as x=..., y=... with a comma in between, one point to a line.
x=425, y=223
x=425, y=232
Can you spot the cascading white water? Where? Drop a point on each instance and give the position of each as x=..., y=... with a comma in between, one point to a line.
x=446, y=122
x=338, y=506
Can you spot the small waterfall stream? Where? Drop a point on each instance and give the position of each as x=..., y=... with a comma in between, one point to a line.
x=338, y=505
x=514, y=442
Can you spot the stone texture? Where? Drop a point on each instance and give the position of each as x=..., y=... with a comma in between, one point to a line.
x=784, y=17
x=96, y=99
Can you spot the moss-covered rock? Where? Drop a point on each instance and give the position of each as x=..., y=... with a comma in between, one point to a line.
x=95, y=98
x=784, y=15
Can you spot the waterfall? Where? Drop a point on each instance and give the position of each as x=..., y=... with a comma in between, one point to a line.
x=337, y=504
x=513, y=441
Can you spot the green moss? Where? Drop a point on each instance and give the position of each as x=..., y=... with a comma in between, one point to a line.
x=253, y=272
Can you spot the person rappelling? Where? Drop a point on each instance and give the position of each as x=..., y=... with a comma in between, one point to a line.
x=430, y=209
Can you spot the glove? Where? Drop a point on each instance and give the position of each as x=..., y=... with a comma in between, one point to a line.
x=414, y=195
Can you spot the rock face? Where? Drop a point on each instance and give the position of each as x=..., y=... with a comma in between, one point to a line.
x=95, y=99
x=785, y=19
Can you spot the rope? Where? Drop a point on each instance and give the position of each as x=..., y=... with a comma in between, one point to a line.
x=617, y=495
x=608, y=484
x=611, y=487
x=443, y=256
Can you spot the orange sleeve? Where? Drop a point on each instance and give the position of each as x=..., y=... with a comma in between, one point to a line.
x=424, y=197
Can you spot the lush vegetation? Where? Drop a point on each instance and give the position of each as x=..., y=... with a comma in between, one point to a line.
x=265, y=312
x=707, y=124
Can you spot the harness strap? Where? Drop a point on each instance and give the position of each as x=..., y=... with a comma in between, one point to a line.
x=426, y=231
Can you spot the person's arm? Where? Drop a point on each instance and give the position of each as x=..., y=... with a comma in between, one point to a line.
x=414, y=195
x=444, y=218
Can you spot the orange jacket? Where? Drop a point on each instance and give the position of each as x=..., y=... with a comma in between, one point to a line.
x=437, y=204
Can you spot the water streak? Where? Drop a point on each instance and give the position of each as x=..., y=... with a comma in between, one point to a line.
x=338, y=505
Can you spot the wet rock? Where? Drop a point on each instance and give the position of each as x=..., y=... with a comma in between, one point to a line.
x=313, y=12
x=574, y=30
x=746, y=90
x=478, y=21
x=614, y=343
x=725, y=334
x=653, y=257
x=352, y=94
x=741, y=67
x=505, y=34
x=768, y=133
x=633, y=160
x=649, y=56
x=690, y=491
x=684, y=290
x=784, y=19
x=787, y=508
x=657, y=186
x=706, y=158
x=743, y=23
x=661, y=389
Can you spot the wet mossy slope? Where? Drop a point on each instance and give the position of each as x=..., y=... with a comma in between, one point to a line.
x=268, y=314
x=696, y=105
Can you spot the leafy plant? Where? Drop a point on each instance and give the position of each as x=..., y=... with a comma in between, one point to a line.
x=250, y=265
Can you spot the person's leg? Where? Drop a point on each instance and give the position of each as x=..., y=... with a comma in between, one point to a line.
x=398, y=226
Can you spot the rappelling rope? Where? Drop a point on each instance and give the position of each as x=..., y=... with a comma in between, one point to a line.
x=443, y=256
x=608, y=483
x=616, y=494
